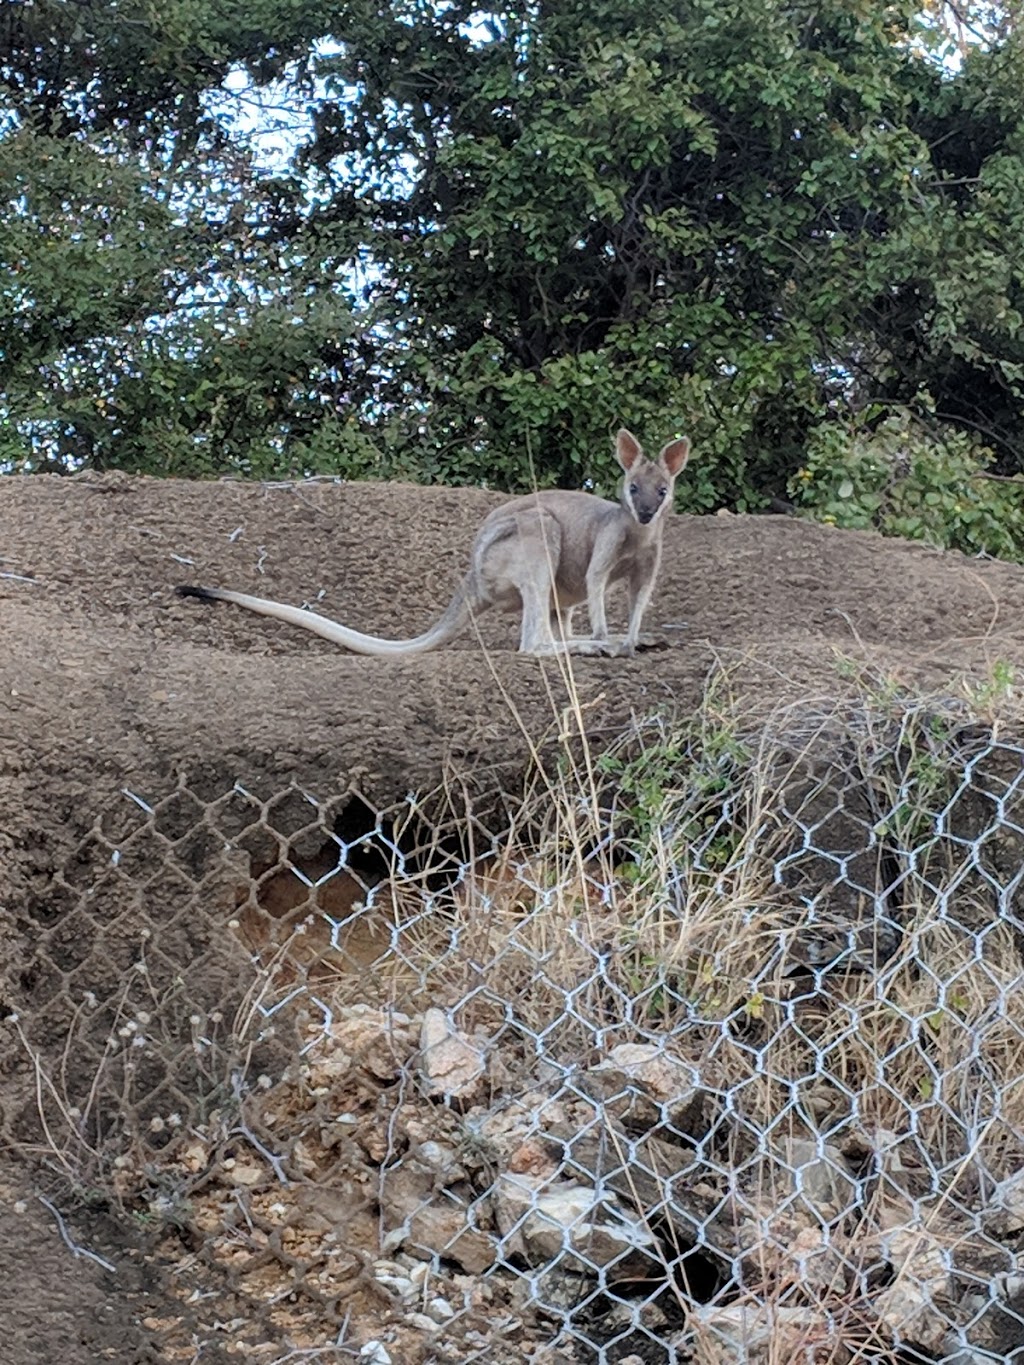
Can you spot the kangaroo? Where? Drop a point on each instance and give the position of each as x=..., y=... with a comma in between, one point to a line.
x=547, y=552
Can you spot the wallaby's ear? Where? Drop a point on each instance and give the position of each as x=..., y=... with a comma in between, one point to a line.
x=675, y=455
x=627, y=449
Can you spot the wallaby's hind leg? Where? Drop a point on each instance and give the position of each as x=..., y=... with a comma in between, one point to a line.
x=546, y=631
x=526, y=563
x=537, y=636
x=622, y=644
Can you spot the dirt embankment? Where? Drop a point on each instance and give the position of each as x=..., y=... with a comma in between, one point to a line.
x=105, y=671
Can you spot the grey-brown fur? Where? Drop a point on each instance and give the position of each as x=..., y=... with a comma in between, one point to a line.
x=544, y=553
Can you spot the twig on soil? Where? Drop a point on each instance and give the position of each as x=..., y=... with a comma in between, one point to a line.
x=73, y=1247
x=19, y=578
x=245, y=1131
x=311, y=1352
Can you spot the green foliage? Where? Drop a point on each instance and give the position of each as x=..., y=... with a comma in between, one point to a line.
x=899, y=479
x=492, y=234
x=988, y=697
x=671, y=789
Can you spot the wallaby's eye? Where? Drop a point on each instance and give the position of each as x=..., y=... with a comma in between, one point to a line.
x=634, y=489
x=662, y=491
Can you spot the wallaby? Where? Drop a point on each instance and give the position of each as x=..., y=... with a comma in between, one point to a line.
x=549, y=552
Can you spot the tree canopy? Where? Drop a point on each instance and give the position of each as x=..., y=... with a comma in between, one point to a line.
x=490, y=234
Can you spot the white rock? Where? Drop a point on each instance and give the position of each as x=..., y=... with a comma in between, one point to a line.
x=449, y=1063
x=917, y=1305
x=246, y=1171
x=400, y=1286
x=378, y=1040
x=970, y=1355
x=440, y=1309
x=816, y=1261
x=820, y=1174
x=442, y=1158
x=426, y=1223
x=384, y=1266
x=643, y=1071
x=1004, y=1213
x=762, y=1334
x=422, y=1322
x=540, y=1220
x=374, y=1353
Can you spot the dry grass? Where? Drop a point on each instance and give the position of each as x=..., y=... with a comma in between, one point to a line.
x=638, y=896
x=650, y=903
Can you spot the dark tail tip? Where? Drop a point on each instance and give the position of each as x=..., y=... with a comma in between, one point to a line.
x=203, y=594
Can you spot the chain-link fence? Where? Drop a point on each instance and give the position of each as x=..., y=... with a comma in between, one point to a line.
x=710, y=1050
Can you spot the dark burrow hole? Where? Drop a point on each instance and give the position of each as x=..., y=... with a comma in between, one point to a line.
x=369, y=841
x=356, y=843
x=376, y=846
x=603, y=1329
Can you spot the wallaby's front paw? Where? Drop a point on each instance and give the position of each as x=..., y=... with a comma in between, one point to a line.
x=645, y=642
x=602, y=649
x=626, y=648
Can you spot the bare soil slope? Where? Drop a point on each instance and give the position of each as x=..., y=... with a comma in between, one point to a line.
x=58, y=1306
x=107, y=677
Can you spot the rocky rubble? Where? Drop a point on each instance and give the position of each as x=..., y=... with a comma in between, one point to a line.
x=618, y=1205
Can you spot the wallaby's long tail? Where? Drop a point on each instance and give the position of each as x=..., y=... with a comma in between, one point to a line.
x=451, y=623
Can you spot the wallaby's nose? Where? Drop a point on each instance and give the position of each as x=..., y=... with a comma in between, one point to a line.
x=644, y=517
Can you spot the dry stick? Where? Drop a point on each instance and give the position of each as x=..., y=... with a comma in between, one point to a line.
x=984, y=473
x=94, y=1086
x=43, y=1083
x=313, y=1352
x=73, y=1247
x=243, y=1130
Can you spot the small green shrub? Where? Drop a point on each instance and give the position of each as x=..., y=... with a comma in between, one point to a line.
x=904, y=481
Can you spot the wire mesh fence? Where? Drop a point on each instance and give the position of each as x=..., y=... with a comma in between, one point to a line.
x=709, y=1050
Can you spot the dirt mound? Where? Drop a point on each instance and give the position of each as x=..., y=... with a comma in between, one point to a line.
x=106, y=676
